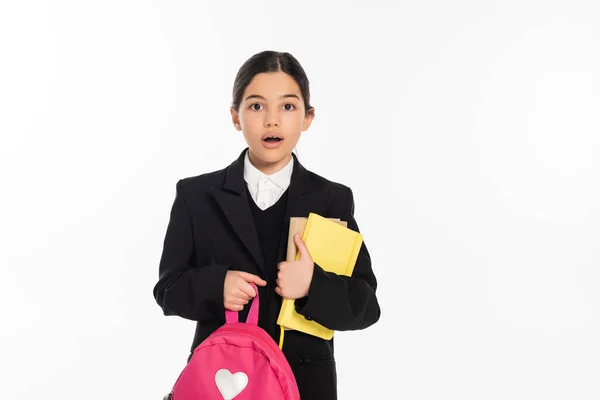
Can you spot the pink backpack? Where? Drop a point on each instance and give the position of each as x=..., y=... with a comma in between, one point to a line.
x=237, y=361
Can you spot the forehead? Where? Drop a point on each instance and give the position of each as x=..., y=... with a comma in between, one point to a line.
x=272, y=85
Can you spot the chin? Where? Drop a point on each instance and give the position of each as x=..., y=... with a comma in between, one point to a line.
x=272, y=156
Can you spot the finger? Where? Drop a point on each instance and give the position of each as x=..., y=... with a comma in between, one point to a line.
x=247, y=290
x=240, y=294
x=251, y=278
x=301, y=246
x=237, y=301
x=234, y=307
x=285, y=265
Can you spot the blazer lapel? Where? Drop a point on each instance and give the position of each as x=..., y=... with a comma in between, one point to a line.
x=233, y=201
x=305, y=195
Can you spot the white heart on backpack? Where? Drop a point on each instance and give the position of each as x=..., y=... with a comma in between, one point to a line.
x=230, y=385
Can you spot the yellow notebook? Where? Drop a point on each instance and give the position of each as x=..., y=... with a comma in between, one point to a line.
x=332, y=246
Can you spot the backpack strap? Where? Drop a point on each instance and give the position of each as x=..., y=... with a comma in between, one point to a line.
x=233, y=316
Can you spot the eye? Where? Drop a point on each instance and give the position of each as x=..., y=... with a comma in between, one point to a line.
x=254, y=108
x=292, y=107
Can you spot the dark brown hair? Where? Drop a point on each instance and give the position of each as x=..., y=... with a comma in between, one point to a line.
x=270, y=61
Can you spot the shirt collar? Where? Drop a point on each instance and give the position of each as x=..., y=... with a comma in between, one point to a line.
x=281, y=178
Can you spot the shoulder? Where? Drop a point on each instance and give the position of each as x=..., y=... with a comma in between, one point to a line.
x=334, y=187
x=195, y=189
x=339, y=193
x=202, y=181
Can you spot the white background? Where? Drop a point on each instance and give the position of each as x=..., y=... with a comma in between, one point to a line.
x=468, y=130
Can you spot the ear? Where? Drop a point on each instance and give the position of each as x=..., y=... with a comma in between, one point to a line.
x=235, y=119
x=308, y=118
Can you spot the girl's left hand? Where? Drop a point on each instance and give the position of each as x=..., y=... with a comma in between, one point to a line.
x=294, y=277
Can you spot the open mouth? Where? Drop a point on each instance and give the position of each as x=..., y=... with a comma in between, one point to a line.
x=272, y=139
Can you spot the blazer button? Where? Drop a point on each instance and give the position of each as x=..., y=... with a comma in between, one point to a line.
x=304, y=360
x=308, y=318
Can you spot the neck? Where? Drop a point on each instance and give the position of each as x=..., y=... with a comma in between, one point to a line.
x=268, y=168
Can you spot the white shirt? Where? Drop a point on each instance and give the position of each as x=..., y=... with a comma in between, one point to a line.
x=267, y=189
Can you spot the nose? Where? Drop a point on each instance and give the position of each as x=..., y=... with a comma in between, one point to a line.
x=272, y=119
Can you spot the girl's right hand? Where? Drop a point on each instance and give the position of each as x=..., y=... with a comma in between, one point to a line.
x=238, y=290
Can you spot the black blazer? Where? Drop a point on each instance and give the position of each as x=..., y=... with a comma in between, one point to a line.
x=211, y=230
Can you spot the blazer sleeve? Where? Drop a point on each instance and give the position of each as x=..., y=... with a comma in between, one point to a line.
x=191, y=291
x=340, y=302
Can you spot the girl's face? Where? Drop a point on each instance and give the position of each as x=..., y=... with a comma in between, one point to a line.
x=271, y=106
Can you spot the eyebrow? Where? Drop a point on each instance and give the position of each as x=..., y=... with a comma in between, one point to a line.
x=256, y=96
